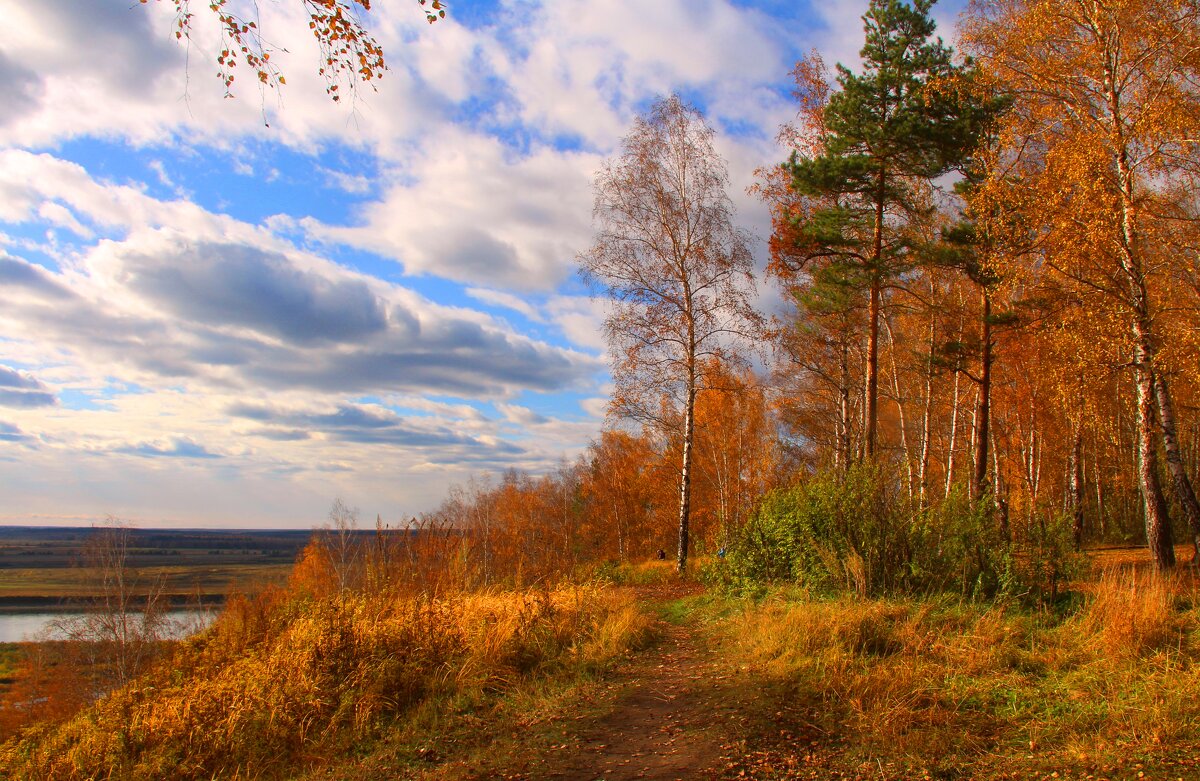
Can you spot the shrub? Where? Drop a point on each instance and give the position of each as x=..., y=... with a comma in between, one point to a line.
x=858, y=532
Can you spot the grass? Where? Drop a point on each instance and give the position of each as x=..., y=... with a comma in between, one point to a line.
x=68, y=582
x=10, y=658
x=284, y=683
x=475, y=734
x=309, y=684
x=941, y=688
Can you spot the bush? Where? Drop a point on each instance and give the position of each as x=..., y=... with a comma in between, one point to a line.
x=831, y=533
x=858, y=532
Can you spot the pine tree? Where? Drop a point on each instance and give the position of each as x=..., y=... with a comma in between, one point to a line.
x=887, y=132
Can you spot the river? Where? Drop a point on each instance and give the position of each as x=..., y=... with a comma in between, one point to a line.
x=20, y=627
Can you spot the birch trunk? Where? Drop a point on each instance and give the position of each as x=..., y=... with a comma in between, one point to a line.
x=1175, y=465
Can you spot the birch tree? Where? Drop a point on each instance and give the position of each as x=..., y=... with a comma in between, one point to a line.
x=678, y=271
x=1102, y=144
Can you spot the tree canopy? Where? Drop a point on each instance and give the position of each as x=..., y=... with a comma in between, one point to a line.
x=885, y=134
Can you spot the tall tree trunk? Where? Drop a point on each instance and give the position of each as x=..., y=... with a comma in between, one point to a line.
x=979, y=477
x=1075, y=486
x=685, y=474
x=974, y=434
x=843, y=454
x=953, y=435
x=1001, y=495
x=870, y=418
x=870, y=411
x=908, y=465
x=1179, y=476
x=1158, y=524
x=927, y=413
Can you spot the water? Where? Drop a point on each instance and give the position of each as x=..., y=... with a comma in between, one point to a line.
x=20, y=627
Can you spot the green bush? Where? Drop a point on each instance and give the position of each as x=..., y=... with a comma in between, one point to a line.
x=858, y=531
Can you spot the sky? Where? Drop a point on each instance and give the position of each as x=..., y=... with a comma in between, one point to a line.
x=229, y=312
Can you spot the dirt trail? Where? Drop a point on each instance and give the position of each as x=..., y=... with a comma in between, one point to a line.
x=671, y=722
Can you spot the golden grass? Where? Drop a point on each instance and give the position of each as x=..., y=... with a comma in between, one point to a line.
x=282, y=681
x=1133, y=612
x=644, y=573
x=942, y=682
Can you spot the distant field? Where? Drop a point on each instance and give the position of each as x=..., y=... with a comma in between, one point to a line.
x=40, y=567
x=50, y=585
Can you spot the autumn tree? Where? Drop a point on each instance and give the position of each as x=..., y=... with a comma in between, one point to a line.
x=973, y=245
x=1102, y=160
x=348, y=51
x=678, y=271
x=622, y=486
x=883, y=133
x=818, y=355
x=123, y=623
x=737, y=450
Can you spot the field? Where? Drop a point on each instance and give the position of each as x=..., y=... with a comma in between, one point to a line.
x=40, y=567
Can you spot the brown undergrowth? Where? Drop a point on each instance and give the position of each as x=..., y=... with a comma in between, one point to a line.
x=287, y=680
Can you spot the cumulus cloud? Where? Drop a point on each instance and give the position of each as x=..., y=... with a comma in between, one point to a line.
x=597, y=406
x=468, y=209
x=581, y=319
x=581, y=67
x=220, y=301
x=264, y=291
x=521, y=416
x=374, y=425
x=174, y=448
x=22, y=390
x=499, y=298
x=289, y=333
x=20, y=88
x=9, y=432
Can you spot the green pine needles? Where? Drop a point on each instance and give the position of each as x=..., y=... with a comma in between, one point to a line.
x=881, y=140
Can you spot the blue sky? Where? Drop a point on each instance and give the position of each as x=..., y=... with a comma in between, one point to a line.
x=229, y=312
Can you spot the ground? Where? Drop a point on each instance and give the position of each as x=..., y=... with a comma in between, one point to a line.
x=687, y=708
x=678, y=709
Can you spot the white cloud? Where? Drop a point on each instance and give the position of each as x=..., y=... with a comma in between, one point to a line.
x=581, y=319
x=355, y=184
x=521, y=416
x=469, y=210
x=581, y=66
x=597, y=406
x=506, y=301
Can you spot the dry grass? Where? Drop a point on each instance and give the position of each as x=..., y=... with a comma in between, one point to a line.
x=644, y=573
x=1133, y=612
x=949, y=685
x=282, y=682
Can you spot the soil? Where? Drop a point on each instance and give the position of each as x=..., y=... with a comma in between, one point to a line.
x=664, y=727
x=684, y=712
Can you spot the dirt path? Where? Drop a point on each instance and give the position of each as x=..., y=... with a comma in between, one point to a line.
x=672, y=720
x=661, y=728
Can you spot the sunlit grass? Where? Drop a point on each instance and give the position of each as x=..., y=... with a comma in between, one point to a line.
x=283, y=680
x=943, y=682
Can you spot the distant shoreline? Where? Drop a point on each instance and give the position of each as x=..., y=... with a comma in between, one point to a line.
x=20, y=605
